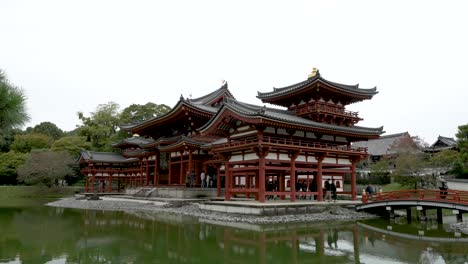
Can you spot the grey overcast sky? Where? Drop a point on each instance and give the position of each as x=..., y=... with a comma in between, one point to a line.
x=71, y=56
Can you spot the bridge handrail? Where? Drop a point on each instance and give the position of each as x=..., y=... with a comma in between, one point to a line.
x=454, y=196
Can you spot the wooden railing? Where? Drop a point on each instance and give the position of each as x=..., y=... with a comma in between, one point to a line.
x=324, y=107
x=451, y=196
x=287, y=142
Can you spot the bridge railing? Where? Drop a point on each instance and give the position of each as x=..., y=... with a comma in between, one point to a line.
x=453, y=196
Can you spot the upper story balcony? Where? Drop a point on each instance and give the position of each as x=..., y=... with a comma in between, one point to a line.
x=286, y=144
x=327, y=113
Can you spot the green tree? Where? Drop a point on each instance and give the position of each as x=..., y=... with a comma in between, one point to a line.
x=12, y=108
x=136, y=113
x=461, y=165
x=44, y=167
x=72, y=144
x=101, y=127
x=445, y=159
x=49, y=129
x=9, y=163
x=28, y=142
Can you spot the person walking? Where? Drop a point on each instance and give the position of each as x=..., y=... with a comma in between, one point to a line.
x=202, y=179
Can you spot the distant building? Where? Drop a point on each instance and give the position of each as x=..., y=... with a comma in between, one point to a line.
x=386, y=146
x=442, y=143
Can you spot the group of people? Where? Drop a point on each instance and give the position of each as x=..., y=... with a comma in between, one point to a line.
x=329, y=192
x=206, y=180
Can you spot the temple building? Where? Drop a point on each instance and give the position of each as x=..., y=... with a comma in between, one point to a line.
x=250, y=150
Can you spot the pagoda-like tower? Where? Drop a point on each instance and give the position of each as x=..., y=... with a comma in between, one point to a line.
x=320, y=100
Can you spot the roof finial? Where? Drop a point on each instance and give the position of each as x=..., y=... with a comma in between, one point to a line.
x=313, y=73
x=181, y=97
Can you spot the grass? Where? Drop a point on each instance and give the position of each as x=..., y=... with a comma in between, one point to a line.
x=8, y=192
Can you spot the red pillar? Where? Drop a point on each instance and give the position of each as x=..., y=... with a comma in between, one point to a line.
x=227, y=181
x=109, y=188
x=156, y=170
x=170, y=166
x=353, y=181
x=93, y=178
x=293, y=179
x=181, y=174
x=319, y=178
x=86, y=182
x=218, y=182
x=261, y=177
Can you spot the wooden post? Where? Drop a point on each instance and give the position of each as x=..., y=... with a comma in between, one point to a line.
x=181, y=174
x=109, y=188
x=218, y=181
x=408, y=215
x=156, y=170
x=261, y=176
x=439, y=216
x=227, y=181
x=169, y=181
x=319, y=158
x=292, y=175
x=353, y=180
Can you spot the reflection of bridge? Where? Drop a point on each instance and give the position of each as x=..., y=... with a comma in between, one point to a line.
x=414, y=237
x=385, y=203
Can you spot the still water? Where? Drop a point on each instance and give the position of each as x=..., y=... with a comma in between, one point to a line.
x=32, y=233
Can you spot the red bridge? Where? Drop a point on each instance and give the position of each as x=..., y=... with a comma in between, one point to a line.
x=385, y=203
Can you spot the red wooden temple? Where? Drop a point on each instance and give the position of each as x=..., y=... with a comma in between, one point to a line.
x=250, y=150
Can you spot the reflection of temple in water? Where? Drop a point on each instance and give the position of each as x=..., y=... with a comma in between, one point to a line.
x=77, y=236
x=179, y=239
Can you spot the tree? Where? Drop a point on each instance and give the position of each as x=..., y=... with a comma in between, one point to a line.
x=49, y=129
x=136, y=113
x=46, y=168
x=101, y=127
x=71, y=144
x=28, y=142
x=9, y=163
x=12, y=108
x=445, y=159
x=460, y=168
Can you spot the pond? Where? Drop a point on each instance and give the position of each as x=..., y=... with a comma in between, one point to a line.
x=33, y=233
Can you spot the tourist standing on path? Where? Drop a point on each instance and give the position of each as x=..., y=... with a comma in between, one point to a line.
x=202, y=178
x=328, y=191
x=333, y=190
x=192, y=179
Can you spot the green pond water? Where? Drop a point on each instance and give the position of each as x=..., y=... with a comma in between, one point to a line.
x=33, y=233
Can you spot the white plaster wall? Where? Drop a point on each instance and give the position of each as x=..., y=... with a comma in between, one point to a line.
x=344, y=161
x=271, y=156
x=301, y=158
x=329, y=160
x=235, y=158
x=250, y=156
x=327, y=137
x=283, y=156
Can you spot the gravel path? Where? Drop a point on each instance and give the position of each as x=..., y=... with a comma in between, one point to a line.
x=191, y=209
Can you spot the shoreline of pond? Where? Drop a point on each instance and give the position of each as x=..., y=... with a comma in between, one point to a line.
x=190, y=208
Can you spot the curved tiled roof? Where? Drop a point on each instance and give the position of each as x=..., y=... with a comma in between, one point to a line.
x=287, y=117
x=383, y=145
x=107, y=157
x=134, y=141
x=350, y=89
x=183, y=140
x=202, y=104
x=208, y=99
